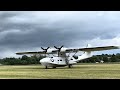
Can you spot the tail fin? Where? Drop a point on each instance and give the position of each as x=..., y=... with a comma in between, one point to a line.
x=86, y=54
x=88, y=45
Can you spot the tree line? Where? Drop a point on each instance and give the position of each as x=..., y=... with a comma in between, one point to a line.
x=104, y=57
x=25, y=60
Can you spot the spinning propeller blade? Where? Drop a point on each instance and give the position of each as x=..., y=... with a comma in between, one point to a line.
x=45, y=49
x=42, y=48
x=48, y=48
x=58, y=48
x=61, y=46
x=55, y=47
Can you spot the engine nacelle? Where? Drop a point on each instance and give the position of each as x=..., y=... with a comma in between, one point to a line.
x=63, y=49
x=50, y=50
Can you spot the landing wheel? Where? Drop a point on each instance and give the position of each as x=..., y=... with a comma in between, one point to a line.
x=54, y=67
x=69, y=66
x=46, y=67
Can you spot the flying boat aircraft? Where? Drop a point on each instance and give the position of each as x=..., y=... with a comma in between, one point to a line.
x=63, y=57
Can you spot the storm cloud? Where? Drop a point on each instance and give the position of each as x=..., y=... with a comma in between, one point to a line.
x=30, y=30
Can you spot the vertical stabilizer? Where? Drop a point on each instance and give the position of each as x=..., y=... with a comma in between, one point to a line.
x=88, y=45
x=86, y=54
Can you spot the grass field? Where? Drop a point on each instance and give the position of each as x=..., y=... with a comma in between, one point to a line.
x=81, y=71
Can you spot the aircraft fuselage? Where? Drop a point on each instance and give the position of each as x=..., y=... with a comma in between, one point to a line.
x=57, y=61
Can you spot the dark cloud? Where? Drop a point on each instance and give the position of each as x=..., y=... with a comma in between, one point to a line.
x=30, y=30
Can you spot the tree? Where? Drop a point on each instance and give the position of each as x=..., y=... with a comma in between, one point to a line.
x=24, y=57
x=113, y=58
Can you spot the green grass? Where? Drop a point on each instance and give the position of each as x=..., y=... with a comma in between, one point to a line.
x=81, y=71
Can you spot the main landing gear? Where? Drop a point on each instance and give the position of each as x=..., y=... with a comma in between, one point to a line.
x=46, y=67
x=54, y=67
x=69, y=66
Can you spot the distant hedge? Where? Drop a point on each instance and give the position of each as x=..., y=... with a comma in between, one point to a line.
x=25, y=60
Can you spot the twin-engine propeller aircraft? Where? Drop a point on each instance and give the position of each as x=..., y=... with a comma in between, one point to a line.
x=63, y=57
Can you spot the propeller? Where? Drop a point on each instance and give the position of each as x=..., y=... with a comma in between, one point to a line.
x=58, y=48
x=66, y=59
x=45, y=49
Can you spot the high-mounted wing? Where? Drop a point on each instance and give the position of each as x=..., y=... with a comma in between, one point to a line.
x=73, y=50
x=93, y=48
x=45, y=51
x=88, y=49
x=41, y=52
x=21, y=53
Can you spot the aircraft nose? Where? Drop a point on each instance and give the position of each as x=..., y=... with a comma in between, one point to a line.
x=41, y=61
x=44, y=60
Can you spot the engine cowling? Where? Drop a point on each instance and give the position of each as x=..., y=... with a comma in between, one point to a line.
x=63, y=49
x=50, y=50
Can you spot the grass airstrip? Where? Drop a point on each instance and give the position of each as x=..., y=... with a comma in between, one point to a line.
x=80, y=71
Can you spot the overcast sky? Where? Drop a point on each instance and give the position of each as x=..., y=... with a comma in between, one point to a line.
x=30, y=30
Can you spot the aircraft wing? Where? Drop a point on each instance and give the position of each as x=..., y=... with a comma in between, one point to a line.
x=93, y=48
x=73, y=50
x=39, y=52
x=21, y=53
